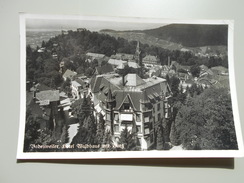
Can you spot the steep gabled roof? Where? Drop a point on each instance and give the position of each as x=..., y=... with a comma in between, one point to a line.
x=135, y=91
x=125, y=97
x=144, y=99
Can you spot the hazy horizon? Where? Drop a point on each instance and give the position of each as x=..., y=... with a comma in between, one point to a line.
x=92, y=25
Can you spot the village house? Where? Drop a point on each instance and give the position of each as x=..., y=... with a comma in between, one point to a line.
x=124, y=56
x=129, y=57
x=44, y=107
x=150, y=59
x=107, y=68
x=129, y=101
x=69, y=74
x=78, y=87
x=93, y=56
x=120, y=64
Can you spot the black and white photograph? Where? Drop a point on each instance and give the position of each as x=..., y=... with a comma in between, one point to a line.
x=111, y=87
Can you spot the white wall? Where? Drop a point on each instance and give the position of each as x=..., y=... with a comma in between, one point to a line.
x=153, y=170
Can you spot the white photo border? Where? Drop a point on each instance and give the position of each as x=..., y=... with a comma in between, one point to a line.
x=127, y=154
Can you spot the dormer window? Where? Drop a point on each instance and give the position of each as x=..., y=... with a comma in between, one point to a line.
x=126, y=106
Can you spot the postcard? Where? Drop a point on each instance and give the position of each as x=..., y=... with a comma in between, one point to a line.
x=112, y=87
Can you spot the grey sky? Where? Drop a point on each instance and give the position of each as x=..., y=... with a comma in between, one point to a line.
x=92, y=25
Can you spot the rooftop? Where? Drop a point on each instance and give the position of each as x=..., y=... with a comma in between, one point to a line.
x=133, y=80
x=133, y=90
x=107, y=68
x=121, y=63
x=150, y=58
x=69, y=74
x=97, y=55
x=48, y=95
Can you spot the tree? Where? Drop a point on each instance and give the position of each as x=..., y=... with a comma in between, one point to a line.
x=35, y=135
x=194, y=90
x=128, y=139
x=90, y=125
x=89, y=72
x=159, y=137
x=86, y=135
x=174, y=135
x=107, y=141
x=66, y=86
x=195, y=70
x=31, y=132
x=174, y=85
x=206, y=122
x=65, y=134
x=100, y=129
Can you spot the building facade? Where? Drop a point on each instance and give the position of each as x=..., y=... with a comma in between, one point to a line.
x=133, y=103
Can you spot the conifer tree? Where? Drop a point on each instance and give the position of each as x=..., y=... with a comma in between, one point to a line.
x=100, y=129
x=128, y=139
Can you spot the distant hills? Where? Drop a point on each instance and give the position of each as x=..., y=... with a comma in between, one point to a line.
x=177, y=36
x=192, y=35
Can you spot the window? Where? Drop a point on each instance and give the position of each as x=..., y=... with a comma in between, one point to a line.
x=126, y=106
x=116, y=117
x=108, y=117
x=116, y=128
x=159, y=116
x=126, y=117
x=138, y=127
x=138, y=117
x=146, y=130
x=158, y=106
x=146, y=119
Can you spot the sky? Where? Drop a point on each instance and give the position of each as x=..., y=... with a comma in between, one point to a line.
x=92, y=25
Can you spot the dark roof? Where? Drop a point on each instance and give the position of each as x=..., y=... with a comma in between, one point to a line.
x=80, y=81
x=101, y=82
x=107, y=68
x=131, y=97
x=42, y=87
x=95, y=84
x=134, y=93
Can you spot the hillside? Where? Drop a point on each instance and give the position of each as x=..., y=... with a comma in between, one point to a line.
x=191, y=35
x=187, y=37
